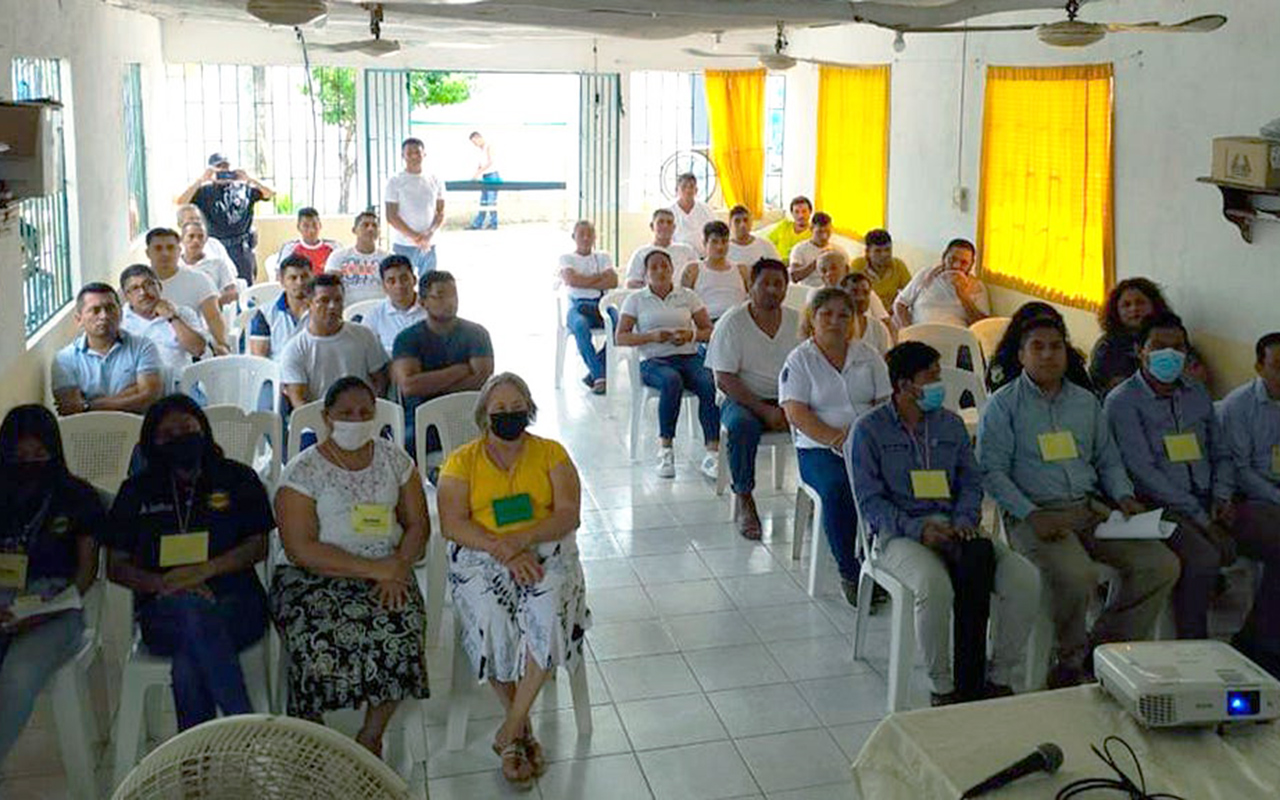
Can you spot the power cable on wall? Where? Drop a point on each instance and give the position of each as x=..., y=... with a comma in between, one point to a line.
x=315, y=126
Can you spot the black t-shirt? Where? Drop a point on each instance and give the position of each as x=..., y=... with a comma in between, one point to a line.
x=228, y=207
x=229, y=502
x=47, y=528
x=466, y=341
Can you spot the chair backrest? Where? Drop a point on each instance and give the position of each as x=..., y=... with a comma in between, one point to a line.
x=99, y=445
x=451, y=416
x=988, y=332
x=612, y=299
x=960, y=382
x=797, y=296
x=238, y=329
x=233, y=380
x=253, y=438
x=309, y=418
x=948, y=340
x=261, y=294
x=356, y=311
x=270, y=266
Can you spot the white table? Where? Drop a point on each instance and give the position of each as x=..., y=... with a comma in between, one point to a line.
x=938, y=753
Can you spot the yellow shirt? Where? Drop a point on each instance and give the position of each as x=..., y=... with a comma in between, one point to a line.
x=486, y=482
x=887, y=285
x=784, y=237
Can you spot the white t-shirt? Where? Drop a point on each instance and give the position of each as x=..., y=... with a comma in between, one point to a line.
x=681, y=254
x=387, y=321
x=721, y=290
x=173, y=356
x=806, y=253
x=359, y=271
x=318, y=361
x=651, y=313
x=837, y=398
x=416, y=195
x=689, y=226
x=932, y=299
x=587, y=266
x=219, y=271
x=739, y=346
x=189, y=288
x=215, y=248
x=875, y=306
x=337, y=492
x=877, y=335
x=749, y=254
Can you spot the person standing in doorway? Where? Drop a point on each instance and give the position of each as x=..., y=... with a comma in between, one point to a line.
x=414, y=209
x=226, y=198
x=487, y=171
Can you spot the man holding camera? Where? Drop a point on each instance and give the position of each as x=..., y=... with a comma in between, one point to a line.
x=226, y=197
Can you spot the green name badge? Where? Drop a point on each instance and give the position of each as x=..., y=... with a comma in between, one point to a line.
x=512, y=509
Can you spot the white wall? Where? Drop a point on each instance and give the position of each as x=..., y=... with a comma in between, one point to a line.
x=95, y=42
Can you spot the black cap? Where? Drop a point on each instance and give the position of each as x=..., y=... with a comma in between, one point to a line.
x=218, y=158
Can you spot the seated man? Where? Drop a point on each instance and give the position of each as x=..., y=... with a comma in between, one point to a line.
x=440, y=355
x=191, y=212
x=186, y=287
x=663, y=225
x=919, y=490
x=400, y=308
x=719, y=284
x=1048, y=458
x=691, y=215
x=586, y=275
x=833, y=267
x=359, y=265
x=328, y=348
x=275, y=324
x=947, y=294
x=804, y=256
x=888, y=275
x=748, y=347
x=174, y=330
x=195, y=255
x=786, y=235
x=1171, y=444
x=104, y=369
x=1251, y=428
x=746, y=248
x=310, y=246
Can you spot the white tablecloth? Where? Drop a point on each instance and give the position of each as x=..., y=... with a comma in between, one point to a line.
x=938, y=753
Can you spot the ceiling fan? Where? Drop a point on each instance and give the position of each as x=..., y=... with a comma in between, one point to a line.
x=1070, y=32
x=287, y=12
x=377, y=46
x=776, y=59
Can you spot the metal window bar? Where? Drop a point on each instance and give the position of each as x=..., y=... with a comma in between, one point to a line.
x=600, y=112
x=135, y=149
x=42, y=221
x=774, y=139
x=386, y=111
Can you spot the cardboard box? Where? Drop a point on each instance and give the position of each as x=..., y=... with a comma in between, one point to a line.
x=21, y=127
x=1247, y=161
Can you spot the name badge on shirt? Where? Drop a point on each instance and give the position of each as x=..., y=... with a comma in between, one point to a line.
x=930, y=484
x=13, y=571
x=371, y=519
x=181, y=549
x=1182, y=447
x=1058, y=446
x=512, y=509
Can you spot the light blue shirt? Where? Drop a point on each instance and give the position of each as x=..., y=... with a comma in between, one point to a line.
x=276, y=323
x=1140, y=419
x=76, y=366
x=1251, y=430
x=1013, y=468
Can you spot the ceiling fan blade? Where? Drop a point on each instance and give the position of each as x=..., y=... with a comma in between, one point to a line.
x=339, y=47
x=373, y=47
x=693, y=51
x=969, y=29
x=1204, y=24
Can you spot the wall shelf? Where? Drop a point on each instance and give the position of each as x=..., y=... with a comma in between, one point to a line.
x=1238, y=205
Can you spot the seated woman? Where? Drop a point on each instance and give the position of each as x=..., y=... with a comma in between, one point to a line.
x=718, y=284
x=827, y=383
x=866, y=328
x=1115, y=354
x=509, y=508
x=1005, y=366
x=665, y=322
x=185, y=533
x=48, y=519
x=353, y=520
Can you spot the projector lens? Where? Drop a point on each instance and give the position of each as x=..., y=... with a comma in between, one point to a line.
x=1242, y=704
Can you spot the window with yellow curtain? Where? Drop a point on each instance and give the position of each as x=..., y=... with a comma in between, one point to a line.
x=735, y=115
x=1045, y=199
x=852, y=177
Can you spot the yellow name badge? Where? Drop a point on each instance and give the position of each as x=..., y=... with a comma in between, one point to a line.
x=930, y=484
x=1182, y=447
x=13, y=571
x=180, y=549
x=1058, y=446
x=371, y=519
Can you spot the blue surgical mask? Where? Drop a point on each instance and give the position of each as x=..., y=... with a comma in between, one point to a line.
x=932, y=397
x=1166, y=365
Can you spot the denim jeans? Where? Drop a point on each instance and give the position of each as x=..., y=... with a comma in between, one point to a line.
x=744, y=429
x=28, y=661
x=423, y=261
x=583, y=318
x=824, y=471
x=203, y=637
x=671, y=375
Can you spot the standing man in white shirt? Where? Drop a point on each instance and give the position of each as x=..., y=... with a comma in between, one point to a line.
x=746, y=248
x=586, y=275
x=360, y=264
x=174, y=330
x=400, y=309
x=415, y=209
x=804, y=256
x=487, y=171
x=663, y=225
x=691, y=215
x=186, y=287
x=196, y=256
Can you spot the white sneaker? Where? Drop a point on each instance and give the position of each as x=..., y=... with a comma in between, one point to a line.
x=711, y=465
x=666, y=463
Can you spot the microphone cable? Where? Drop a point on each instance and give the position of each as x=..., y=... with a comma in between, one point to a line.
x=1123, y=784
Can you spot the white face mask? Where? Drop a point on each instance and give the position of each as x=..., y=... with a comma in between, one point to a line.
x=352, y=435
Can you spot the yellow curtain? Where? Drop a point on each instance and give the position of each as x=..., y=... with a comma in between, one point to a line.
x=735, y=114
x=1045, y=198
x=852, y=180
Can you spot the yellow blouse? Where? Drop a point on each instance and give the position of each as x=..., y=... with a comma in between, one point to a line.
x=495, y=491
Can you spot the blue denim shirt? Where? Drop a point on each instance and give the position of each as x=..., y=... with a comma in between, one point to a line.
x=1140, y=419
x=883, y=455
x=95, y=375
x=1013, y=470
x=1250, y=422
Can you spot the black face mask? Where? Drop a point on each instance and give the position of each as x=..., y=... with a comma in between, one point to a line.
x=184, y=453
x=508, y=425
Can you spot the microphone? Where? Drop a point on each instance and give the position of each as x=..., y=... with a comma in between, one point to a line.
x=1047, y=757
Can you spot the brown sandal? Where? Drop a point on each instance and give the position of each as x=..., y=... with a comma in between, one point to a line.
x=516, y=768
x=533, y=752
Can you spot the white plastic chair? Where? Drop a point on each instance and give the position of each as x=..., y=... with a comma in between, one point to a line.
x=958, y=382
x=99, y=445
x=564, y=335
x=251, y=438
x=261, y=294
x=356, y=311
x=797, y=296
x=948, y=340
x=988, y=333
x=809, y=518
x=777, y=441
x=233, y=380
x=309, y=418
x=640, y=397
x=238, y=329
x=901, y=622
x=612, y=353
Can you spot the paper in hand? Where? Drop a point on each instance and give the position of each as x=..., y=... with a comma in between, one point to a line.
x=1147, y=525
